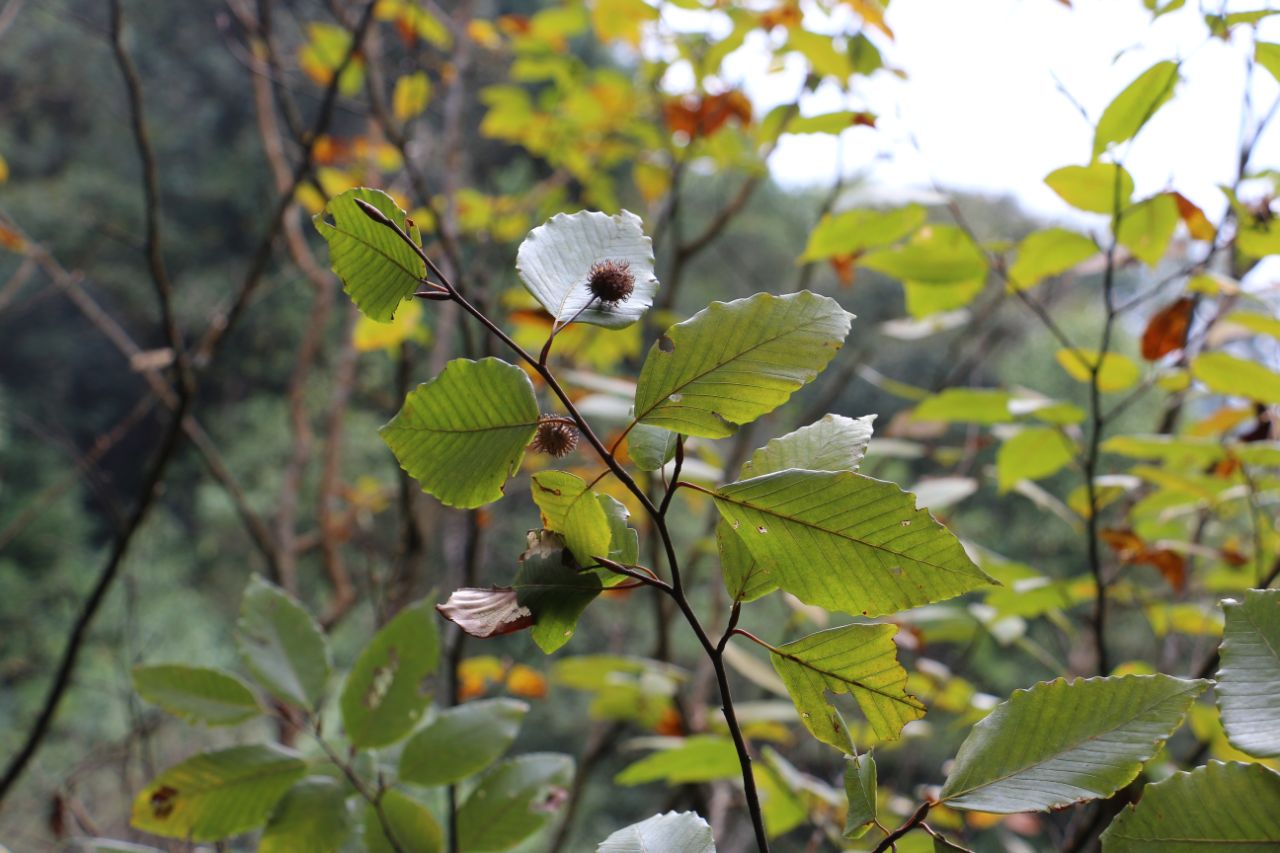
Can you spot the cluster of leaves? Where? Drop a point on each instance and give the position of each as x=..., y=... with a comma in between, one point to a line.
x=374, y=782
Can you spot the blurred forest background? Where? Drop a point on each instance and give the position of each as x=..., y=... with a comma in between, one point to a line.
x=279, y=470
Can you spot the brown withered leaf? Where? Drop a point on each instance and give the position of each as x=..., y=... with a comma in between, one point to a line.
x=1198, y=225
x=845, y=269
x=485, y=613
x=1167, y=330
x=1171, y=565
x=694, y=116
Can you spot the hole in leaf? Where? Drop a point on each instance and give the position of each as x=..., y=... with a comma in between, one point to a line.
x=905, y=523
x=383, y=676
x=762, y=529
x=676, y=398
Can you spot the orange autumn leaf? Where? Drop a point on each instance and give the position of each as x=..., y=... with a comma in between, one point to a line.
x=1125, y=543
x=1223, y=469
x=527, y=682
x=11, y=240
x=844, y=268
x=669, y=723
x=1170, y=564
x=694, y=116
x=1198, y=225
x=787, y=15
x=1167, y=330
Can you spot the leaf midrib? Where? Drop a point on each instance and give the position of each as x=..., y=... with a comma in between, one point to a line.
x=916, y=705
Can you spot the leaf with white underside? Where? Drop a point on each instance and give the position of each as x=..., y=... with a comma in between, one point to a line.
x=196, y=694
x=383, y=697
x=570, y=508
x=486, y=612
x=463, y=434
x=735, y=361
x=858, y=660
x=1248, y=690
x=1065, y=742
x=834, y=443
x=1223, y=806
x=378, y=270
x=555, y=262
x=462, y=741
x=847, y=542
x=673, y=832
x=215, y=795
x=281, y=645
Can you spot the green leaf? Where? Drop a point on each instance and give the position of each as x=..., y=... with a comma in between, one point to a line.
x=383, y=696
x=733, y=362
x=1228, y=806
x=854, y=231
x=463, y=434
x=940, y=268
x=555, y=262
x=1046, y=253
x=834, y=443
x=313, y=816
x=624, y=541
x=1267, y=55
x=215, y=795
x=1118, y=372
x=281, y=645
x=858, y=660
x=651, y=447
x=701, y=758
x=673, y=832
x=1168, y=448
x=570, y=508
x=745, y=579
x=411, y=825
x=1135, y=106
x=1224, y=373
x=1098, y=187
x=782, y=805
x=461, y=741
x=196, y=694
x=378, y=270
x=1147, y=227
x=1249, y=676
x=1263, y=324
x=553, y=587
x=1065, y=742
x=860, y=788
x=966, y=405
x=847, y=542
x=513, y=800
x=1032, y=454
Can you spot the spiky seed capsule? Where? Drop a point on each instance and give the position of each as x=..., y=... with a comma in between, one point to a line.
x=556, y=436
x=611, y=281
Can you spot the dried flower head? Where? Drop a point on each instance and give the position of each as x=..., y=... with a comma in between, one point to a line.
x=611, y=281
x=556, y=436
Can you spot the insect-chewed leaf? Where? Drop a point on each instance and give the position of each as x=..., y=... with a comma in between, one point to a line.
x=462, y=434
x=1228, y=806
x=847, y=542
x=486, y=612
x=1248, y=690
x=858, y=660
x=215, y=795
x=556, y=259
x=1065, y=742
x=513, y=800
x=735, y=361
x=384, y=697
x=673, y=832
x=378, y=270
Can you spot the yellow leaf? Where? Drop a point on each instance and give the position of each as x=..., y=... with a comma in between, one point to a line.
x=4, y=170
x=483, y=33
x=621, y=20
x=370, y=335
x=526, y=681
x=651, y=180
x=411, y=95
x=1117, y=372
x=872, y=12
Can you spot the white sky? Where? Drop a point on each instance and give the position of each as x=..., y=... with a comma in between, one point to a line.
x=982, y=102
